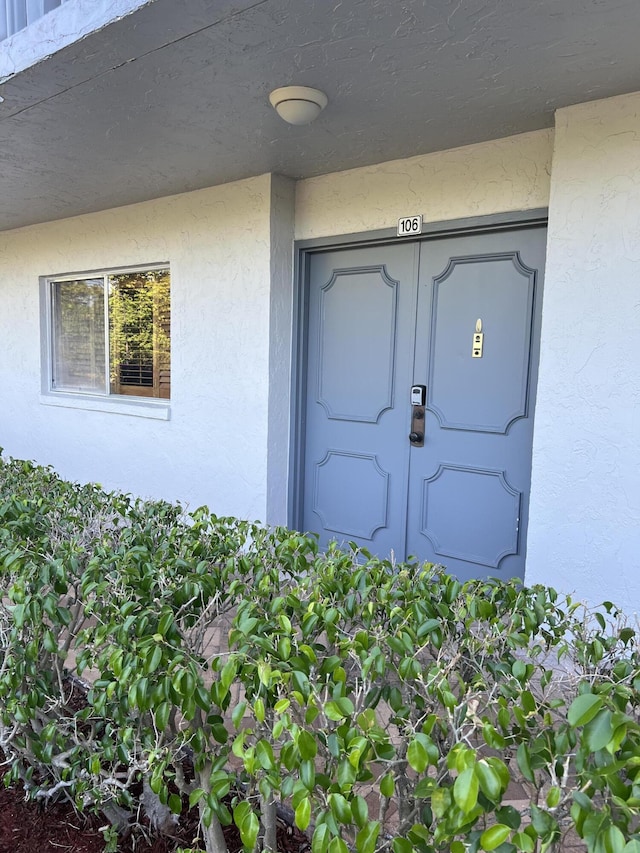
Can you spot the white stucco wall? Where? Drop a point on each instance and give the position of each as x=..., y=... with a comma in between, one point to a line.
x=584, y=529
x=226, y=441
x=280, y=346
x=213, y=449
x=477, y=180
x=61, y=27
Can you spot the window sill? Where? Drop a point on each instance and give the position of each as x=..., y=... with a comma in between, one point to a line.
x=159, y=410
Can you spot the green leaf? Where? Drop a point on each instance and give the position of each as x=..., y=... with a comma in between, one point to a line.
x=367, y=837
x=493, y=738
x=18, y=614
x=489, y=779
x=238, y=713
x=346, y=775
x=220, y=784
x=524, y=762
x=419, y=833
x=519, y=670
x=337, y=845
x=303, y=814
x=524, y=842
x=49, y=642
x=241, y=812
x=219, y=732
x=156, y=783
x=346, y=705
x=441, y=801
x=321, y=838
x=308, y=774
x=417, y=756
x=264, y=754
x=583, y=801
x=387, y=785
x=311, y=714
x=360, y=811
x=465, y=790
x=228, y=673
x=402, y=845
x=632, y=846
x=599, y=731
x=164, y=623
x=340, y=808
x=247, y=823
x=307, y=745
x=195, y=797
x=494, y=836
x=161, y=715
x=264, y=673
x=424, y=788
x=509, y=816
x=334, y=712
x=175, y=803
x=541, y=821
x=583, y=709
x=553, y=797
x=284, y=648
x=153, y=662
x=142, y=694
x=613, y=840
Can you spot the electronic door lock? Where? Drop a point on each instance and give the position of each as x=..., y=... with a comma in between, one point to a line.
x=418, y=400
x=418, y=395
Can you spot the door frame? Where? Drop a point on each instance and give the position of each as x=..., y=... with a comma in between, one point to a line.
x=303, y=249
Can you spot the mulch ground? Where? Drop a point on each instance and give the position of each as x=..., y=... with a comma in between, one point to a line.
x=29, y=827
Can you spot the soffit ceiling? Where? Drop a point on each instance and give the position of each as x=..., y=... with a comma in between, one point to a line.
x=174, y=97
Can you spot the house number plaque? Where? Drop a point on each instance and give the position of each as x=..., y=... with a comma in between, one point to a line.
x=408, y=225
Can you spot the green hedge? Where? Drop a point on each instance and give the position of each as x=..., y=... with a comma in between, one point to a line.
x=389, y=707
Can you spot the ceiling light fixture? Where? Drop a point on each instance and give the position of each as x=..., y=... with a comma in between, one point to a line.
x=298, y=104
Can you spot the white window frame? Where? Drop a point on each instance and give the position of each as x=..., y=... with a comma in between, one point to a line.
x=144, y=407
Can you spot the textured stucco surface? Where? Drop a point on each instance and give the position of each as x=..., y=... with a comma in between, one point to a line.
x=280, y=343
x=491, y=177
x=173, y=96
x=584, y=529
x=214, y=447
x=63, y=26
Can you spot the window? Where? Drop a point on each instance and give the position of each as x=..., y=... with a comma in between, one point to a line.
x=110, y=333
x=15, y=15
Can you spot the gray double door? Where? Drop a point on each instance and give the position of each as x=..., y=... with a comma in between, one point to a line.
x=384, y=318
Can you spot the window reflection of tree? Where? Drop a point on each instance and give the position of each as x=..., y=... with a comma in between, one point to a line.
x=79, y=334
x=139, y=333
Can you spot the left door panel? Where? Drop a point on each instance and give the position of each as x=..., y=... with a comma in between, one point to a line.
x=362, y=305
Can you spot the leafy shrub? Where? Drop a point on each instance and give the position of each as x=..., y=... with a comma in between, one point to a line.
x=389, y=707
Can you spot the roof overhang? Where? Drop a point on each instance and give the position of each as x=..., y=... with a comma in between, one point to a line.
x=172, y=95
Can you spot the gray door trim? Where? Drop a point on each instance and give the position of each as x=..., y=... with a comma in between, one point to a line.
x=303, y=249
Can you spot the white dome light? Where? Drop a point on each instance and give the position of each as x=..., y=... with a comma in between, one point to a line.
x=298, y=104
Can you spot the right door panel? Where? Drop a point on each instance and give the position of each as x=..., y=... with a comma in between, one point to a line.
x=469, y=484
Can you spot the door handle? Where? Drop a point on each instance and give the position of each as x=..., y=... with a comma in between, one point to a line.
x=416, y=436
